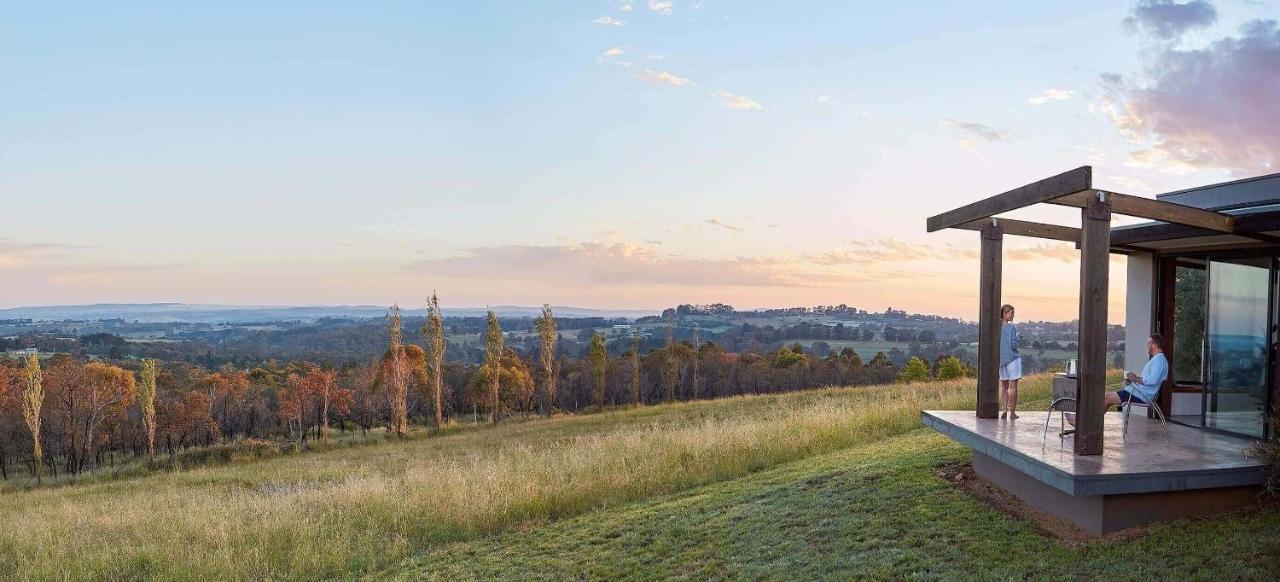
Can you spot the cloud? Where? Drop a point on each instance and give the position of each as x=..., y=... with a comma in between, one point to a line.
x=1128, y=182
x=1050, y=95
x=888, y=250
x=979, y=130
x=1064, y=252
x=1217, y=107
x=622, y=264
x=739, y=102
x=655, y=57
x=90, y=275
x=57, y=263
x=625, y=8
x=722, y=224
x=15, y=255
x=663, y=78
x=609, y=21
x=891, y=251
x=1167, y=20
x=662, y=6
x=612, y=52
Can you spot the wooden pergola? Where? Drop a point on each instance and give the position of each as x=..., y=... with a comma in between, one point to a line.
x=1073, y=188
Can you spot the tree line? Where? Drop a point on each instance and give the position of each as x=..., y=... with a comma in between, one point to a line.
x=68, y=414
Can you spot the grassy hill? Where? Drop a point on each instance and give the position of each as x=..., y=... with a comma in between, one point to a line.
x=834, y=482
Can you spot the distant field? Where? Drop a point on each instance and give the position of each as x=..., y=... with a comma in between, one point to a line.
x=865, y=350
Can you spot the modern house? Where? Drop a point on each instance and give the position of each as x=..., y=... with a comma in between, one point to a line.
x=1206, y=275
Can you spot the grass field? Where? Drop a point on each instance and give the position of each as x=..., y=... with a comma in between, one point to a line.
x=875, y=511
x=556, y=498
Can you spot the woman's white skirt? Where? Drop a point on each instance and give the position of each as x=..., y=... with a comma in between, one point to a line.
x=1012, y=371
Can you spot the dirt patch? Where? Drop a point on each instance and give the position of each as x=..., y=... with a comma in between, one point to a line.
x=820, y=481
x=963, y=476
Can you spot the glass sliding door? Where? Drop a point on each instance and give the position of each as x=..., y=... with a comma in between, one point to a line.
x=1238, y=326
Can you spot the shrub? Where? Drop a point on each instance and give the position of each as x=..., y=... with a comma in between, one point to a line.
x=221, y=454
x=916, y=370
x=950, y=368
x=1269, y=453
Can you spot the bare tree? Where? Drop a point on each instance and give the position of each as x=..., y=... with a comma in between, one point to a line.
x=147, y=403
x=697, y=355
x=598, y=359
x=433, y=330
x=397, y=381
x=547, y=332
x=635, y=367
x=671, y=366
x=493, y=359
x=32, y=400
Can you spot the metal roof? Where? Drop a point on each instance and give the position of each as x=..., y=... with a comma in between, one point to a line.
x=1249, y=192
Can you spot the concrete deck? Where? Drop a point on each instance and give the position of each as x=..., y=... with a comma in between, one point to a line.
x=1149, y=460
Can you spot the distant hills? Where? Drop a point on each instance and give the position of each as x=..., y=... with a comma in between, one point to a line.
x=201, y=313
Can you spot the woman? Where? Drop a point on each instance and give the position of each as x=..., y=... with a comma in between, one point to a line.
x=1010, y=363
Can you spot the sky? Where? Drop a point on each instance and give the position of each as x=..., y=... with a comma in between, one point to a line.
x=609, y=154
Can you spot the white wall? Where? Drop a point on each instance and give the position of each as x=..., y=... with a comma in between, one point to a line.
x=1139, y=298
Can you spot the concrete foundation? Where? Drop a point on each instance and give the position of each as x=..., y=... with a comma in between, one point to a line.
x=1151, y=473
x=1103, y=514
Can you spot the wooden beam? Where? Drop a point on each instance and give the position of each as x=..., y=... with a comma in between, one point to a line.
x=1253, y=225
x=1065, y=183
x=1024, y=228
x=989, y=279
x=1095, y=259
x=1154, y=210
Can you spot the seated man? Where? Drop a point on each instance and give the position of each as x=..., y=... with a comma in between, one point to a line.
x=1143, y=389
x=1140, y=388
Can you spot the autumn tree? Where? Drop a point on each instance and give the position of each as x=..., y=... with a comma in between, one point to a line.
x=547, y=333
x=182, y=422
x=408, y=365
x=147, y=403
x=397, y=381
x=516, y=387
x=493, y=360
x=32, y=400
x=111, y=390
x=433, y=331
x=598, y=358
x=9, y=411
x=227, y=390
x=292, y=401
x=323, y=384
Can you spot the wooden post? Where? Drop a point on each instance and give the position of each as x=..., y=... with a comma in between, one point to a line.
x=1166, y=279
x=1095, y=263
x=989, y=320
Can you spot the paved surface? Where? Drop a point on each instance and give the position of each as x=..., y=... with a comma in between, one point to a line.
x=1149, y=459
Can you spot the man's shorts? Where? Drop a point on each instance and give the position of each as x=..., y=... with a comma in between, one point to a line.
x=1127, y=396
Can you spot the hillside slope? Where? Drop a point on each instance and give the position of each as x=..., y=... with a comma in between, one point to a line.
x=878, y=510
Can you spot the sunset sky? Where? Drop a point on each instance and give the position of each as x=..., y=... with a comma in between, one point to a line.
x=613, y=154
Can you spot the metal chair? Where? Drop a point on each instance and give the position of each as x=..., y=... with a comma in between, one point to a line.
x=1126, y=406
x=1062, y=417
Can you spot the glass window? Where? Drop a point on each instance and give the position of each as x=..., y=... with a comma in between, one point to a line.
x=1238, y=330
x=1188, y=323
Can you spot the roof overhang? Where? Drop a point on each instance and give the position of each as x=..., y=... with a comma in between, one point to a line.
x=1186, y=214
